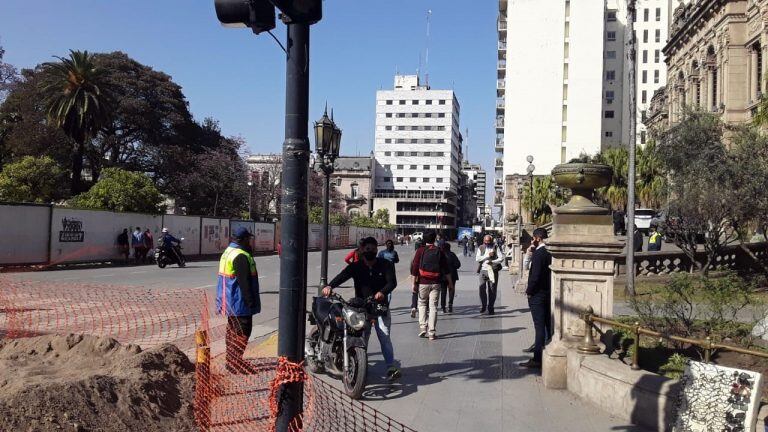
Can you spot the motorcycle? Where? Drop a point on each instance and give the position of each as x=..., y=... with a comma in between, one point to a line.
x=163, y=258
x=337, y=342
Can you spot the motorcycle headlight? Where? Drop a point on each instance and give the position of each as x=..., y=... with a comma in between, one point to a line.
x=356, y=320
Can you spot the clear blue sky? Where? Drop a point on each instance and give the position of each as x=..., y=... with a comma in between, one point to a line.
x=239, y=79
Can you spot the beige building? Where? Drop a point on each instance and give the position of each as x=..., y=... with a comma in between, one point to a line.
x=352, y=178
x=716, y=58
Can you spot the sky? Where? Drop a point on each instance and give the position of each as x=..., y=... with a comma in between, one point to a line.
x=238, y=78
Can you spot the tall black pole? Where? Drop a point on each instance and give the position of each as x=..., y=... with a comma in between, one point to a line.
x=293, y=211
x=630, y=288
x=324, y=252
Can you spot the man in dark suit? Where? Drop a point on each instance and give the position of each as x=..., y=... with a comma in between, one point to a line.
x=538, y=292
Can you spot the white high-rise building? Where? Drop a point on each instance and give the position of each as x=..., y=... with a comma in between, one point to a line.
x=418, y=155
x=477, y=175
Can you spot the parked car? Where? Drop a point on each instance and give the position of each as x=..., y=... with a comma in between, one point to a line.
x=643, y=219
x=417, y=236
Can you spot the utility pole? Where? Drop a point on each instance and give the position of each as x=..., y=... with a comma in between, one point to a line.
x=631, y=57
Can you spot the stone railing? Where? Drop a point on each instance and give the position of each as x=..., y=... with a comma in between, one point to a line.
x=668, y=262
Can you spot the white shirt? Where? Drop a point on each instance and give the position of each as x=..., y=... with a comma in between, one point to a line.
x=482, y=257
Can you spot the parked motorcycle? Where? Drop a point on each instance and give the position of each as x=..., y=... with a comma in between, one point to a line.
x=163, y=258
x=337, y=342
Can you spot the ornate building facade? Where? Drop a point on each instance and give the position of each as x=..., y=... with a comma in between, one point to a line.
x=716, y=61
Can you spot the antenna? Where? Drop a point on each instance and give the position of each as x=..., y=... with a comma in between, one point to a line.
x=426, y=57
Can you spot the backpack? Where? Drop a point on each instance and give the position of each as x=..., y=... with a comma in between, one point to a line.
x=429, y=266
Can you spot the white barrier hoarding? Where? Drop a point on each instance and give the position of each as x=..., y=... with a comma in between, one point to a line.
x=215, y=236
x=187, y=227
x=25, y=240
x=263, y=237
x=91, y=235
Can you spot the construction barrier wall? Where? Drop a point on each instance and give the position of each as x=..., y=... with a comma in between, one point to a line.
x=44, y=234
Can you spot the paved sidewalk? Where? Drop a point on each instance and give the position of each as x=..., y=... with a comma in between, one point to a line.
x=468, y=379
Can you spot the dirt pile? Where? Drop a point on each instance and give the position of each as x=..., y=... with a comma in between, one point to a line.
x=88, y=383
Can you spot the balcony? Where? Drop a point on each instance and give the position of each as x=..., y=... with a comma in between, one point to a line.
x=501, y=64
x=500, y=103
x=502, y=45
x=502, y=25
x=499, y=147
x=499, y=163
x=500, y=83
x=499, y=122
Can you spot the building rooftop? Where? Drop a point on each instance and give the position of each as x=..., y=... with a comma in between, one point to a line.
x=353, y=163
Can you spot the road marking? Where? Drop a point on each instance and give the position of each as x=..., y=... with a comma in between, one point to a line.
x=139, y=272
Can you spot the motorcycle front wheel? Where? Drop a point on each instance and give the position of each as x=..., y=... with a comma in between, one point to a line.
x=354, y=378
x=161, y=263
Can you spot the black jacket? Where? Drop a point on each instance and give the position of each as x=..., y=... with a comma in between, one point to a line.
x=454, y=264
x=369, y=280
x=540, y=277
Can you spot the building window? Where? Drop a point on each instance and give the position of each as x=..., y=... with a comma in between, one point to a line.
x=426, y=167
x=389, y=102
x=645, y=56
x=610, y=75
x=658, y=35
x=387, y=167
x=387, y=179
x=400, y=179
x=414, y=141
x=440, y=128
x=611, y=36
x=400, y=154
x=439, y=179
x=441, y=115
x=387, y=127
x=609, y=114
x=401, y=128
x=658, y=14
x=388, y=115
x=642, y=137
x=442, y=102
x=400, y=167
x=656, y=56
x=440, y=141
x=427, y=141
x=644, y=97
x=402, y=102
x=413, y=167
x=354, y=191
x=414, y=153
x=400, y=115
x=439, y=167
x=414, y=102
x=427, y=154
x=426, y=179
x=610, y=54
x=642, y=116
x=646, y=14
x=439, y=154
x=428, y=102
x=655, y=77
x=388, y=141
x=611, y=16
x=645, y=77
x=645, y=36
x=608, y=134
x=413, y=179
x=387, y=153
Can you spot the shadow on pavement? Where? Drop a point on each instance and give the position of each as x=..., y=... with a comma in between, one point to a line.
x=481, y=332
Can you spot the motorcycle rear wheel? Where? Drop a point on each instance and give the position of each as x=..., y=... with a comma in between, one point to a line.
x=161, y=264
x=354, y=379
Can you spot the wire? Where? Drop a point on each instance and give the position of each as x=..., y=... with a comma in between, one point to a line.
x=278, y=41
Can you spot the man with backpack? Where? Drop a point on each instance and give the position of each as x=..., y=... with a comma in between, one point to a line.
x=429, y=268
x=489, y=259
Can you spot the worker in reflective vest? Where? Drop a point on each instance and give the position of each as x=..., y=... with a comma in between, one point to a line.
x=237, y=297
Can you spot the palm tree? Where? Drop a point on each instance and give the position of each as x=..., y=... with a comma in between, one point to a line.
x=545, y=196
x=615, y=194
x=78, y=100
x=651, y=180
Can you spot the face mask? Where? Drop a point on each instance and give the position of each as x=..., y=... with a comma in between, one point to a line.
x=369, y=255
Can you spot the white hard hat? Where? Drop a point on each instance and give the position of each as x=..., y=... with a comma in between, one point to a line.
x=165, y=230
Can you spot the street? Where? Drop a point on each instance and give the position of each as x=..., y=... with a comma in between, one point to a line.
x=467, y=379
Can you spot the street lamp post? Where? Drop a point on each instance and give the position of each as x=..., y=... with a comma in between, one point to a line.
x=520, y=227
x=327, y=143
x=250, y=192
x=531, y=168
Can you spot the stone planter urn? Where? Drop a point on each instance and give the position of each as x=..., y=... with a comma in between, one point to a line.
x=582, y=179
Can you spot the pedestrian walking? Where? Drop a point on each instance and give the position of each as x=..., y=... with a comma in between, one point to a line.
x=638, y=237
x=389, y=253
x=237, y=296
x=429, y=268
x=149, y=242
x=489, y=260
x=538, y=292
x=472, y=245
x=465, y=245
x=137, y=243
x=448, y=290
x=373, y=277
x=123, y=246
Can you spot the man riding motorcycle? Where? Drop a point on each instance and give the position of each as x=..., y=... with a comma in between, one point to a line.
x=169, y=245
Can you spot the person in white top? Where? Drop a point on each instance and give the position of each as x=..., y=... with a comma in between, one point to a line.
x=489, y=259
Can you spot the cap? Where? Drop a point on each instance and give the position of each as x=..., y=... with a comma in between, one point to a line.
x=242, y=232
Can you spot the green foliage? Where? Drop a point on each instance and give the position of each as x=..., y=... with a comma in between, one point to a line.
x=123, y=191
x=675, y=366
x=542, y=199
x=697, y=306
x=315, y=214
x=650, y=177
x=32, y=180
x=338, y=219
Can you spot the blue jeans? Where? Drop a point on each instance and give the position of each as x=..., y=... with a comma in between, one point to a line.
x=383, y=326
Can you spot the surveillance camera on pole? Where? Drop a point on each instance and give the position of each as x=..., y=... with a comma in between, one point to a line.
x=298, y=15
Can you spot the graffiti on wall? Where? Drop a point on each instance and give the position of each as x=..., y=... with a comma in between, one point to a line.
x=71, y=231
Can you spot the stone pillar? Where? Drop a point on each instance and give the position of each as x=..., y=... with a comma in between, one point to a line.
x=583, y=250
x=710, y=89
x=755, y=80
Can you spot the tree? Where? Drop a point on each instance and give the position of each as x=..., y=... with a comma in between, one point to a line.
x=122, y=191
x=8, y=76
x=650, y=179
x=545, y=196
x=615, y=194
x=77, y=99
x=267, y=190
x=32, y=180
x=703, y=177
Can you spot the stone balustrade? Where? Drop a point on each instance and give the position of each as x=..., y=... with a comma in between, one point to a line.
x=733, y=257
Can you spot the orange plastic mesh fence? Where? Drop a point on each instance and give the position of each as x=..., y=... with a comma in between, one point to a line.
x=234, y=379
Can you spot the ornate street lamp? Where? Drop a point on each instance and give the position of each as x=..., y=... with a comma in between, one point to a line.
x=531, y=168
x=327, y=145
x=250, y=189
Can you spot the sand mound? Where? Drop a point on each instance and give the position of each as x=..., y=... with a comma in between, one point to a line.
x=88, y=383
